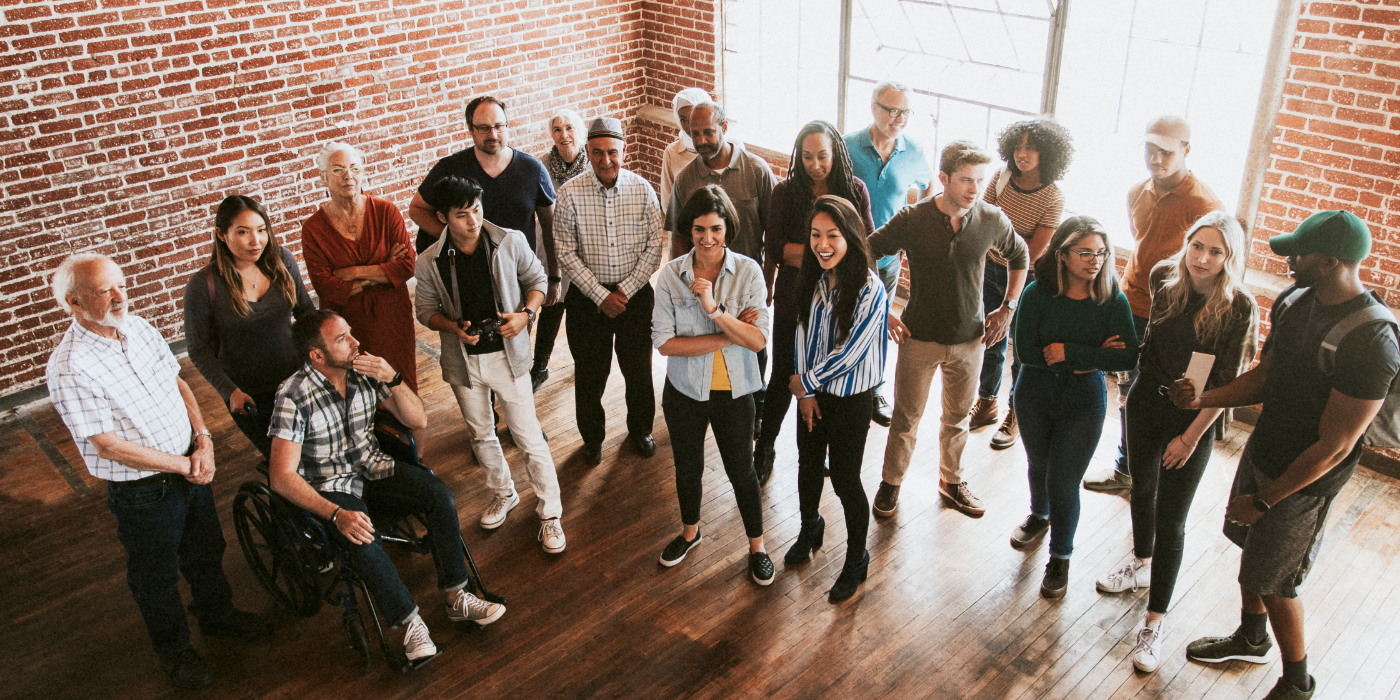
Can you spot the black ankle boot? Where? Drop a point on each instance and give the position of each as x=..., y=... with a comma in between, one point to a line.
x=1056, y=578
x=808, y=541
x=852, y=575
x=763, y=456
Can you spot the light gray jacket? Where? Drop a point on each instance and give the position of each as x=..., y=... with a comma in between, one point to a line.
x=515, y=272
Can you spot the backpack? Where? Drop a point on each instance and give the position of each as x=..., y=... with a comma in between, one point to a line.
x=1384, y=430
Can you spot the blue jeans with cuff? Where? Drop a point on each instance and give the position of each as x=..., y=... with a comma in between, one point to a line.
x=1061, y=416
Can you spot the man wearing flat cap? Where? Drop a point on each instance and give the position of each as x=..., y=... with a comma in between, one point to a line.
x=1160, y=211
x=1318, y=401
x=608, y=229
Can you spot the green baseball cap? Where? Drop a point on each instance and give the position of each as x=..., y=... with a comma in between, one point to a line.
x=1340, y=234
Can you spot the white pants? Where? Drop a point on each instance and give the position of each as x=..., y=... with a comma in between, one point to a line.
x=491, y=372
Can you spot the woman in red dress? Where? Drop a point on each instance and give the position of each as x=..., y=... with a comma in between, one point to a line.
x=360, y=258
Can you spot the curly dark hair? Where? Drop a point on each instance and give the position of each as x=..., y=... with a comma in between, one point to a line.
x=1048, y=136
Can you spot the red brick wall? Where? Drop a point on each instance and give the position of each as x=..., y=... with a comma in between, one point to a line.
x=124, y=122
x=1337, y=144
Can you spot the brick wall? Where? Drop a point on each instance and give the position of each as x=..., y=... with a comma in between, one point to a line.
x=124, y=122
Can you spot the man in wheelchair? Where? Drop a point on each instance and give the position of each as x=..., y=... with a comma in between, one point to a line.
x=326, y=460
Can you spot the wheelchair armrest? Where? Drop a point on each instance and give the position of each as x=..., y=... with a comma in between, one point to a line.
x=395, y=438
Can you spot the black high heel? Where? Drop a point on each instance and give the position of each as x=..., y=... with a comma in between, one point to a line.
x=809, y=540
x=850, y=579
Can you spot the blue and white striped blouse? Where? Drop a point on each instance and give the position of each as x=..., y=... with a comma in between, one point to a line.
x=854, y=365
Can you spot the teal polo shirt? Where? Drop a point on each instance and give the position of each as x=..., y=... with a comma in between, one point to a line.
x=888, y=182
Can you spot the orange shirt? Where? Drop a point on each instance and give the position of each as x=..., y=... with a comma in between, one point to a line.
x=1159, y=223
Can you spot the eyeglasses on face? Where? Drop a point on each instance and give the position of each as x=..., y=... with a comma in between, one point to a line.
x=341, y=172
x=488, y=128
x=1088, y=255
x=895, y=113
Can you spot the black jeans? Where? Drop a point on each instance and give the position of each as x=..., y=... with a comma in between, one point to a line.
x=255, y=427
x=171, y=528
x=551, y=317
x=776, y=404
x=1121, y=465
x=411, y=489
x=1161, y=498
x=592, y=337
x=840, y=431
x=731, y=420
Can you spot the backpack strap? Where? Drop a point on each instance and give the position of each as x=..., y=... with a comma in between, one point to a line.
x=1284, y=301
x=1376, y=312
x=1002, y=179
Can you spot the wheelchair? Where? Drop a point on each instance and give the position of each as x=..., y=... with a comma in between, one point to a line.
x=302, y=568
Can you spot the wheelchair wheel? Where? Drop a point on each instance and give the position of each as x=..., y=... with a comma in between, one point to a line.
x=355, y=630
x=273, y=548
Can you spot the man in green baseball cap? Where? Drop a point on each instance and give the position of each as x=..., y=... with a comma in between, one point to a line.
x=1307, y=441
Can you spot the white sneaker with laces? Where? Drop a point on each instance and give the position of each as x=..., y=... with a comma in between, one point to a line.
x=498, y=510
x=1134, y=575
x=469, y=608
x=551, y=536
x=416, y=641
x=1147, y=654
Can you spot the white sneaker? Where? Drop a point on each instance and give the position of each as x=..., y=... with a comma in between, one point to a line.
x=416, y=641
x=1135, y=574
x=496, y=512
x=1147, y=654
x=551, y=536
x=470, y=608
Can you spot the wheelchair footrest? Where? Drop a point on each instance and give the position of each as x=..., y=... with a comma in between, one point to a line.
x=403, y=665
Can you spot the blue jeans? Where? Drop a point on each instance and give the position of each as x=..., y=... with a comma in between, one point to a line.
x=1121, y=465
x=994, y=357
x=412, y=489
x=171, y=528
x=1061, y=417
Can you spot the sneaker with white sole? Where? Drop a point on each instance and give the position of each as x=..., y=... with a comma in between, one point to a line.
x=551, y=536
x=469, y=608
x=417, y=643
x=498, y=510
x=1147, y=653
x=1133, y=575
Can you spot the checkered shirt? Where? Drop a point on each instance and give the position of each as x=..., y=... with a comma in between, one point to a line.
x=337, y=440
x=608, y=237
x=126, y=387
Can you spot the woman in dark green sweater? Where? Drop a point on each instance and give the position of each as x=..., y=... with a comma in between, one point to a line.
x=1072, y=325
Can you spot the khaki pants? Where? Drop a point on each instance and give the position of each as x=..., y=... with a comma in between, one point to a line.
x=913, y=375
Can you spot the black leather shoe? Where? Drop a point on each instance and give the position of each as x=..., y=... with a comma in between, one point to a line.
x=238, y=625
x=882, y=413
x=763, y=456
x=808, y=540
x=852, y=575
x=592, y=454
x=187, y=670
x=645, y=445
x=537, y=378
x=1056, y=578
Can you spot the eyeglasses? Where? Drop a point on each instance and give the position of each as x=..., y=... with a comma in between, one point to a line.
x=488, y=128
x=340, y=172
x=895, y=113
x=1087, y=255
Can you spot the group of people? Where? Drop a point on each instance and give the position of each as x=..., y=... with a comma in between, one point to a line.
x=807, y=266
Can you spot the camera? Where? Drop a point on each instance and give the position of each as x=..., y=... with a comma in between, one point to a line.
x=486, y=330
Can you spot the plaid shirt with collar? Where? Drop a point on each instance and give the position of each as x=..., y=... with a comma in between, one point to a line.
x=336, y=434
x=608, y=237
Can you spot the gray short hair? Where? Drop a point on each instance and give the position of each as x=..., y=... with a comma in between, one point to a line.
x=884, y=85
x=66, y=275
x=571, y=117
x=719, y=111
x=323, y=159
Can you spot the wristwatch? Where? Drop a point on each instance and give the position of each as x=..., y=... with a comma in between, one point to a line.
x=556, y=278
x=719, y=309
x=1011, y=303
x=530, y=323
x=397, y=380
x=205, y=433
x=1259, y=504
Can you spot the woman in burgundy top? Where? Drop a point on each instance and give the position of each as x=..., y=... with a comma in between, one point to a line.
x=359, y=257
x=819, y=166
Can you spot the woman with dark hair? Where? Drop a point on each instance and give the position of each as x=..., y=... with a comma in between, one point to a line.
x=1072, y=325
x=819, y=166
x=1036, y=152
x=841, y=342
x=1199, y=304
x=710, y=321
x=238, y=315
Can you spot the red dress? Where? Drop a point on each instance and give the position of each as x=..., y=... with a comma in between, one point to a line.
x=380, y=316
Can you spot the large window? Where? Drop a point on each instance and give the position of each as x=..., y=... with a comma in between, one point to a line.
x=1103, y=67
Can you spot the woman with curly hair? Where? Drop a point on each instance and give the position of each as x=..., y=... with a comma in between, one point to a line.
x=1036, y=152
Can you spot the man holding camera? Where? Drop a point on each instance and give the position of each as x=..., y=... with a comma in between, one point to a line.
x=480, y=287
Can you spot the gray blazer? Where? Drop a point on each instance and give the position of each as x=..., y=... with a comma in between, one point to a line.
x=515, y=272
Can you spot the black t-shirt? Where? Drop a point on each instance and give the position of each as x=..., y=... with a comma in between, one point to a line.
x=1296, y=390
x=508, y=200
x=475, y=294
x=1167, y=350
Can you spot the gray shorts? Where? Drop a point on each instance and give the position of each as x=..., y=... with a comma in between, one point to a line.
x=1279, y=549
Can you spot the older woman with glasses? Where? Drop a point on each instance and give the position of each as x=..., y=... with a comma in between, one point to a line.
x=360, y=258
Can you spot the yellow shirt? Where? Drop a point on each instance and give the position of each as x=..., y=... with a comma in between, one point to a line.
x=719, y=375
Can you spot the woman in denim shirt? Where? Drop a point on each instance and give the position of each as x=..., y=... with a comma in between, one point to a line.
x=710, y=321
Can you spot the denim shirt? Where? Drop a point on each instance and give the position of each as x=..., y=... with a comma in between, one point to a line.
x=678, y=314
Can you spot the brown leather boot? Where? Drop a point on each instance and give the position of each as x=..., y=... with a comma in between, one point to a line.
x=984, y=412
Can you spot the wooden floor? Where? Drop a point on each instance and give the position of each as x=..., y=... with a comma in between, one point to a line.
x=949, y=611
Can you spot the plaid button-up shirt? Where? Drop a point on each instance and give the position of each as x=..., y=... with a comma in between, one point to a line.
x=608, y=237
x=336, y=434
x=126, y=387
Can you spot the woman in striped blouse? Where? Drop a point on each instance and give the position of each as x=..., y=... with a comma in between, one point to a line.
x=840, y=358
